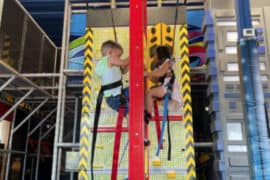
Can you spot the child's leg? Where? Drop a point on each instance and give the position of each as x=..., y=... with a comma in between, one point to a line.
x=114, y=102
x=157, y=92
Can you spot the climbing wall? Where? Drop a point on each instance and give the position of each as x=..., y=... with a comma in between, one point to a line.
x=108, y=117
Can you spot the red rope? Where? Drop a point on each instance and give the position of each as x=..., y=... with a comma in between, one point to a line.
x=157, y=123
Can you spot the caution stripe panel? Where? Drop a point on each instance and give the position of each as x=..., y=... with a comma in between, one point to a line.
x=86, y=101
x=187, y=110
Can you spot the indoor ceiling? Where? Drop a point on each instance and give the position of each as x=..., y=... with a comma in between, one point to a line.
x=49, y=13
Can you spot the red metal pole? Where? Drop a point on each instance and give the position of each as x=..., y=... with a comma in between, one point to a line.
x=136, y=122
x=117, y=142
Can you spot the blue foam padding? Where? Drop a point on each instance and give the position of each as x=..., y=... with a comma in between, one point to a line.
x=260, y=38
x=209, y=37
x=215, y=105
x=218, y=116
x=259, y=30
x=213, y=88
x=216, y=125
x=219, y=165
x=212, y=71
x=261, y=50
x=232, y=95
x=267, y=95
x=211, y=50
x=219, y=145
x=211, y=62
x=221, y=156
x=232, y=105
x=208, y=19
x=214, y=79
x=215, y=96
x=210, y=30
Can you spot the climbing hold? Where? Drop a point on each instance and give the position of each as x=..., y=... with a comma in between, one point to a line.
x=171, y=174
x=156, y=161
x=100, y=146
x=98, y=166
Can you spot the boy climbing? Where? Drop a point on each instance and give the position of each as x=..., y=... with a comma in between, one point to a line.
x=110, y=69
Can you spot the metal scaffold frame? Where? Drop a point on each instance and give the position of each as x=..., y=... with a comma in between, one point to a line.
x=58, y=138
x=29, y=93
x=22, y=87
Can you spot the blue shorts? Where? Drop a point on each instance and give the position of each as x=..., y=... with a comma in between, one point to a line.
x=115, y=101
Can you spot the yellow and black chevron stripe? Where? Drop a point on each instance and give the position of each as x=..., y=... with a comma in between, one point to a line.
x=86, y=103
x=186, y=91
x=5, y=49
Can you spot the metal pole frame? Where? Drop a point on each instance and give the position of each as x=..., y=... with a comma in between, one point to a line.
x=31, y=75
x=12, y=151
x=12, y=78
x=61, y=128
x=10, y=144
x=16, y=104
x=26, y=151
x=61, y=88
x=75, y=127
x=54, y=68
x=47, y=132
x=29, y=116
x=32, y=167
x=28, y=88
x=24, y=31
x=1, y=11
x=41, y=122
x=41, y=54
x=136, y=121
x=38, y=153
x=25, y=80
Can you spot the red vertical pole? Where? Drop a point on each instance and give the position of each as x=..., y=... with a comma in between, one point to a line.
x=136, y=122
x=117, y=142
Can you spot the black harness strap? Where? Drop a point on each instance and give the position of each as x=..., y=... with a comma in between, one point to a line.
x=171, y=82
x=170, y=88
x=169, y=140
x=96, y=119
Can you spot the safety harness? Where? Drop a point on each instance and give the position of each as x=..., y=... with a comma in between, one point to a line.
x=167, y=97
x=97, y=114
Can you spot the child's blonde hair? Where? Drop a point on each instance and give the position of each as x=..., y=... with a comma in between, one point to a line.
x=107, y=45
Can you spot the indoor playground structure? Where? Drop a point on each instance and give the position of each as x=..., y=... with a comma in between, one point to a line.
x=54, y=124
x=165, y=157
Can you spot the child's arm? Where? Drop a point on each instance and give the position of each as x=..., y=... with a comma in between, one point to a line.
x=124, y=69
x=116, y=61
x=161, y=71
